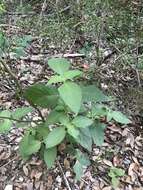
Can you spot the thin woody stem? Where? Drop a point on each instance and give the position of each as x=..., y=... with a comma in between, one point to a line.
x=22, y=121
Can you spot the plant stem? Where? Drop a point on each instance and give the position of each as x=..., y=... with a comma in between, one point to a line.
x=21, y=121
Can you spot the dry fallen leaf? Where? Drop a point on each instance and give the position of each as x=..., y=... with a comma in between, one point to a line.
x=50, y=181
x=66, y=163
x=107, y=188
x=133, y=168
x=130, y=140
x=25, y=170
x=107, y=162
x=116, y=161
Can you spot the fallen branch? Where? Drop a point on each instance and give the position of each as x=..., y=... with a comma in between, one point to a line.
x=44, y=57
x=65, y=179
x=20, y=121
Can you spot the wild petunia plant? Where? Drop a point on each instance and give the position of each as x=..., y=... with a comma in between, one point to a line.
x=74, y=117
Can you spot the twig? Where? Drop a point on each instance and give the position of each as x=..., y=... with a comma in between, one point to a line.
x=9, y=162
x=20, y=121
x=43, y=57
x=65, y=179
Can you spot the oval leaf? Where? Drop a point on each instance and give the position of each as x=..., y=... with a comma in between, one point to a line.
x=93, y=94
x=42, y=95
x=71, y=95
x=120, y=117
x=55, y=137
x=59, y=65
x=97, y=133
x=29, y=145
x=72, y=74
x=81, y=121
x=50, y=156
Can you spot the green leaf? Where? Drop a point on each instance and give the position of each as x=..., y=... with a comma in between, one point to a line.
x=56, y=79
x=21, y=112
x=82, y=121
x=29, y=145
x=19, y=51
x=55, y=137
x=93, y=94
x=84, y=138
x=50, y=156
x=72, y=74
x=72, y=131
x=120, y=117
x=59, y=65
x=115, y=182
x=5, y=124
x=64, y=119
x=81, y=162
x=71, y=95
x=97, y=133
x=42, y=131
x=114, y=173
x=41, y=95
x=54, y=117
x=118, y=172
x=82, y=158
x=78, y=169
x=99, y=110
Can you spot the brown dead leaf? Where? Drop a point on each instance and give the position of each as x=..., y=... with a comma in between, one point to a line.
x=37, y=184
x=38, y=175
x=107, y=162
x=35, y=174
x=128, y=180
x=35, y=162
x=116, y=161
x=133, y=168
x=42, y=187
x=66, y=163
x=130, y=140
x=114, y=128
x=61, y=147
x=29, y=186
x=107, y=188
x=135, y=160
x=25, y=170
x=5, y=152
x=50, y=181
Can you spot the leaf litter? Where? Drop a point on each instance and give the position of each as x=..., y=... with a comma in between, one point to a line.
x=122, y=147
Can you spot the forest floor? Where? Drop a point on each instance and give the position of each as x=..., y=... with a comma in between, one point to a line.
x=123, y=144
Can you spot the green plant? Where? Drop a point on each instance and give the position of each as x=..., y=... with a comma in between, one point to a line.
x=115, y=173
x=74, y=117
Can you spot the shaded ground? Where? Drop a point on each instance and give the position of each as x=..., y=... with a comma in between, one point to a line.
x=123, y=144
x=122, y=147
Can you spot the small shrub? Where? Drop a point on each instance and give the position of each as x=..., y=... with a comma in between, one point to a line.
x=75, y=113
